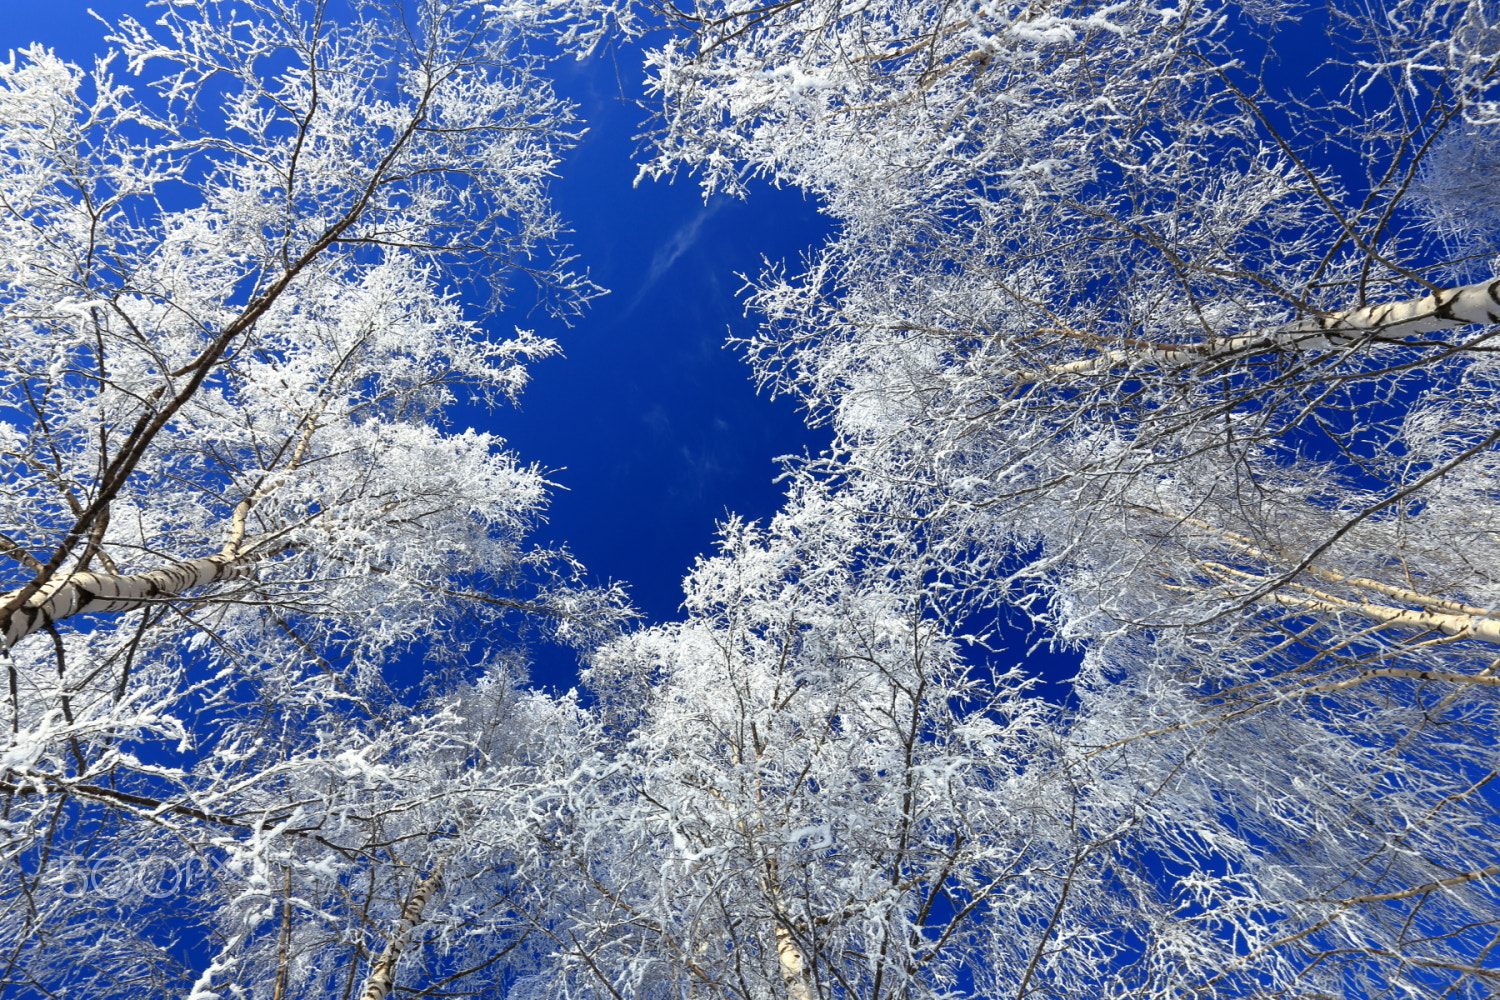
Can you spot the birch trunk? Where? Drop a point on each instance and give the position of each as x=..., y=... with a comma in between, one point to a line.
x=1460, y=626
x=793, y=968
x=1442, y=310
x=88, y=592
x=1431, y=614
x=1386, y=322
x=383, y=975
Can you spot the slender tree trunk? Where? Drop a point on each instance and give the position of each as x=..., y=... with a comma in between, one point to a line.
x=1431, y=613
x=1442, y=310
x=1388, y=321
x=383, y=975
x=88, y=592
x=793, y=968
x=1462, y=626
x=283, y=944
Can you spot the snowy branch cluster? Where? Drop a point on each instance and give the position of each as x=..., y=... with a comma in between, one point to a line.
x=1120, y=332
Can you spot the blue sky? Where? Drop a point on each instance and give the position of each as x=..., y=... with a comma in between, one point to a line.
x=658, y=424
x=653, y=427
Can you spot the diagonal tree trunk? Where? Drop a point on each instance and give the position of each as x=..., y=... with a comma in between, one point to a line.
x=383, y=974
x=88, y=592
x=1483, y=628
x=85, y=592
x=1432, y=613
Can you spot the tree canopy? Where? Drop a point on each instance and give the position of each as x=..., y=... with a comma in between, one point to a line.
x=1124, y=330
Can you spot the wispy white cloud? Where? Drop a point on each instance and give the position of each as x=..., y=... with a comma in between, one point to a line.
x=669, y=252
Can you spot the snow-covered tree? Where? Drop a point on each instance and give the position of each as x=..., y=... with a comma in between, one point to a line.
x=1158, y=333
x=820, y=793
x=315, y=849
x=230, y=322
x=1192, y=358
x=1105, y=331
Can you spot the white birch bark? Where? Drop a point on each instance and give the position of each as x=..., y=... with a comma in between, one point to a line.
x=1484, y=629
x=87, y=592
x=1385, y=322
x=383, y=974
x=1431, y=614
x=1441, y=310
x=793, y=968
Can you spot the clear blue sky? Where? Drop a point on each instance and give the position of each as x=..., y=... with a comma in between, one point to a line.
x=652, y=426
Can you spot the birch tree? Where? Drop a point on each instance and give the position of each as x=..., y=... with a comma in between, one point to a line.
x=823, y=792
x=1122, y=313
x=233, y=316
x=1113, y=317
